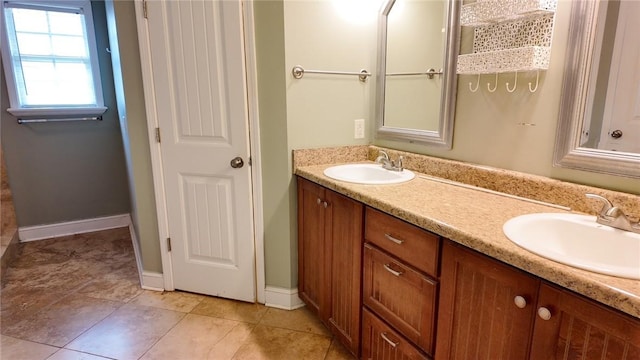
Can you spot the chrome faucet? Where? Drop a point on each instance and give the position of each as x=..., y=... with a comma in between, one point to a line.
x=613, y=216
x=387, y=163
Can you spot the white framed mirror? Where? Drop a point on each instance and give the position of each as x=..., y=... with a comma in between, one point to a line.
x=599, y=120
x=418, y=46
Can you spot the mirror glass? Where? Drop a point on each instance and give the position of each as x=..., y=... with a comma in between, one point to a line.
x=599, y=127
x=417, y=51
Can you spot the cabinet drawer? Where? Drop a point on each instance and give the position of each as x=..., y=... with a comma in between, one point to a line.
x=379, y=341
x=400, y=295
x=413, y=245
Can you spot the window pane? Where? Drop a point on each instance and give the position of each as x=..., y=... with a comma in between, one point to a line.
x=69, y=46
x=30, y=20
x=34, y=44
x=49, y=83
x=66, y=23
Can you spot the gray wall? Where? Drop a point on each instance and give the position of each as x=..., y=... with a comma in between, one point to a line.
x=125, y=55
x=67, y=171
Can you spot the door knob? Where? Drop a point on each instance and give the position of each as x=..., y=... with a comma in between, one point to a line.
x=616, y=134
x=237, y=162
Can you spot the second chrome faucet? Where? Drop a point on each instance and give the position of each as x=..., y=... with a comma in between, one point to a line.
x=613, y=216
x=387, y=163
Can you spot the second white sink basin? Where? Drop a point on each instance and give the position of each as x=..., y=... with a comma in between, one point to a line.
x=578, y=241
x=368, y=174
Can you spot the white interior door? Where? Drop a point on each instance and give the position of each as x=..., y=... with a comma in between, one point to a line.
x=199, y=81
x=621, y=123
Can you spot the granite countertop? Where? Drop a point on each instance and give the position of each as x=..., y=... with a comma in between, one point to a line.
x=474, y=218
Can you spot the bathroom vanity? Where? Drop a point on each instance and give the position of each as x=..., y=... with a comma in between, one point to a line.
x=422, y=270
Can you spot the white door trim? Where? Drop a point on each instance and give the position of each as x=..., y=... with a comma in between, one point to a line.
x=156, y=158
x=254, y=141
x=154, y=146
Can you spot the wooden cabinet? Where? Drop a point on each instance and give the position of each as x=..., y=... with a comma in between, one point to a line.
x=419, y=296
x=490, y=310
x=478, y=316
x=397, y=288
x=330, y=259
x=579, y=328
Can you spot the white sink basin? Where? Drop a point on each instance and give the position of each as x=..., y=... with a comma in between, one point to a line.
x=372, y=174
x=578, y=241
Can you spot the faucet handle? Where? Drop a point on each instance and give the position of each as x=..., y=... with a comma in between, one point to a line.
x=382, y=156
x=606, y=204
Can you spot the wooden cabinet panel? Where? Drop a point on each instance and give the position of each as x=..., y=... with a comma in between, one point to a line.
x=311, y=252
x=330, y=236
x=344, y=260
x=400, y=295
x=380, y=342
x=582, y=329
x=415, y=246
x=477, y=317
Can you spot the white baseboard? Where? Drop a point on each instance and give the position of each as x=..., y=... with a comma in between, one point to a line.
x=282, y=298
x=39, y=232
x=152, y=281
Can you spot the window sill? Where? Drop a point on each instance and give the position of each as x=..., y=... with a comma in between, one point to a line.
x=88, y=111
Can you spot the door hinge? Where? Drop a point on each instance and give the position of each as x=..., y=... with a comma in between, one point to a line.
x=168, y=244
x=157, y=134
x=144, y=9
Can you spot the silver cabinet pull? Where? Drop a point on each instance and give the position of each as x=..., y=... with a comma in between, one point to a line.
x=391, y=238
x=389, y=269
x=385, y=338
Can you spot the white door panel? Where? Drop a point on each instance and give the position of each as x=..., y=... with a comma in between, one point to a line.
x=197, y=54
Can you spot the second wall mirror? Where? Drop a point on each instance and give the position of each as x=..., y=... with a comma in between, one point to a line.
x=416, y=84
x=599, y=125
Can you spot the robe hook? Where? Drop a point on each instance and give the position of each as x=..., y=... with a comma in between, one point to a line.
x=537, y=81
x=477, y=85
x=515, y=84
x=495, y=86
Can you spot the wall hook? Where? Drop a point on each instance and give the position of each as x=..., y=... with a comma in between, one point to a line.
x=515, y=84
x=495, y=86
x=477, y=85
x=537, y=81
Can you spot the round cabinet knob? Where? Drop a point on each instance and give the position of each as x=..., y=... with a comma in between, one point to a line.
x=520, y=302
x=237, y=162
x=325, y=204
x=544, y=313
x=616, y=134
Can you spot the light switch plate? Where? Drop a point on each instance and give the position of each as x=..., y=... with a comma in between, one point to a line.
x=358, y=128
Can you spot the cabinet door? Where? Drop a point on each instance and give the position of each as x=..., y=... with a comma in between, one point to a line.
x=380, y=342
x=582, y=329
x=344, y=264
x=311, y=243
x=478, y=317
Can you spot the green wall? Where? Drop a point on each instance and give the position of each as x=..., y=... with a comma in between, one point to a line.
x=277, y=185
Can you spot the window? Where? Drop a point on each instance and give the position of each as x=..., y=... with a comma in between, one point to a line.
x=50, y=58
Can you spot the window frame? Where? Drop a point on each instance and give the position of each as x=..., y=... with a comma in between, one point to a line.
x=16, y=107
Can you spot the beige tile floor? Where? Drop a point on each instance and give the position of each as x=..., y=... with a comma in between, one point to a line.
x=78, y=297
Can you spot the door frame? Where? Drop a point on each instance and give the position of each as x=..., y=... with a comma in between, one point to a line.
x=254, y=143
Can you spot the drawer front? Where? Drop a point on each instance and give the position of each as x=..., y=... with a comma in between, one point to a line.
x=380, y=342
x=413, y=245
x=400, y=295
